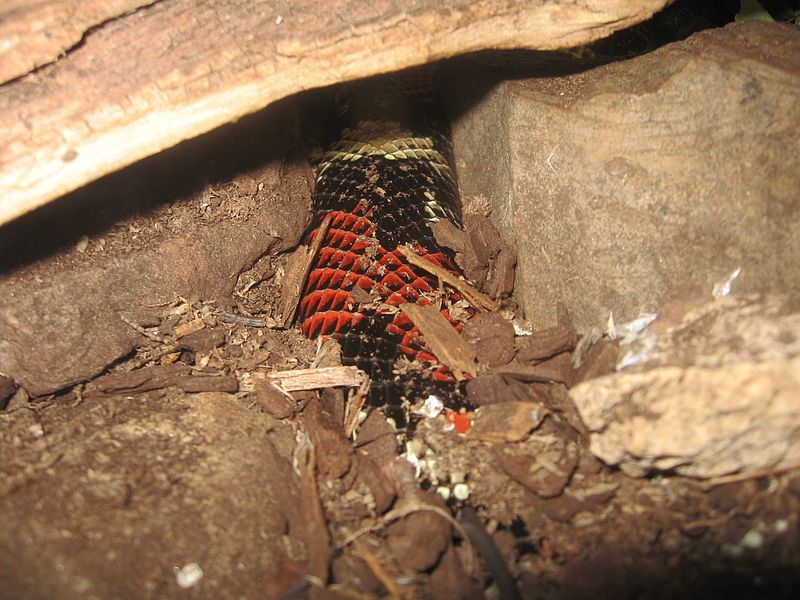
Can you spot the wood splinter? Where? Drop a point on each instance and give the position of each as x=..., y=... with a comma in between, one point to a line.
x=296, y=380
x=476, y=298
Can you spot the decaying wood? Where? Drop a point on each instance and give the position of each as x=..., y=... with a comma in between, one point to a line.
x=475, y=297
x=318, y=538
x=160, y=376
x=170, y=71
x=314, y=379
x=450, y=348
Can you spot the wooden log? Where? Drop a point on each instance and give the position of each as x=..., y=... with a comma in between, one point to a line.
x=143, y=81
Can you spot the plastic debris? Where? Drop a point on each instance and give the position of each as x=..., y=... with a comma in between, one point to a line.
x=629, y=331
x=460, y=422
x=637, y=342
x=639, y=351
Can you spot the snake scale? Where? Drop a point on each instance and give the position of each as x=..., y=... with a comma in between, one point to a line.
x=385, y=179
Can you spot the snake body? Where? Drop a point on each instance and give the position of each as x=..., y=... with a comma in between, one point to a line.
x=385, y=179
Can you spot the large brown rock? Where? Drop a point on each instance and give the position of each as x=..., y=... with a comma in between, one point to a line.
x=623, y=184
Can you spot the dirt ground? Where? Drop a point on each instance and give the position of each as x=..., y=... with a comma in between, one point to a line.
x=183, y=453
x=178, y=469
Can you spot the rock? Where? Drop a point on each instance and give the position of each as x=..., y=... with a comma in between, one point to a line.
x=735, y=409
x=633, y=181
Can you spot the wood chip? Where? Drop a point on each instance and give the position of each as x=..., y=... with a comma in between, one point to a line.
x=558, y=369
x=161, y=376
x=314, y=379
x=476, y=298
x=506, y=422
x=353, y=409
x=318, y=539
x=450, y=348
x=182, y=329
x=546, y=343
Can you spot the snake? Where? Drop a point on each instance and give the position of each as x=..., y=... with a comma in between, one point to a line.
x=382, y=183
x=386, y=178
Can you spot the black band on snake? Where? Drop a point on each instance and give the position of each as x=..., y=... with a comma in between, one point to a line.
x=386, y=178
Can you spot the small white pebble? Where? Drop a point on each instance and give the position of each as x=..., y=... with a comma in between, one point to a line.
x=781, y=525
x=82, y=244
x=189, y=575
x=278, y=20
x=443, y=491
x=752, y=539
x=461, y=491
x=36, y=430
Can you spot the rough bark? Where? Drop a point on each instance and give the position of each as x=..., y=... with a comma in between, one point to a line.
x=173, y=70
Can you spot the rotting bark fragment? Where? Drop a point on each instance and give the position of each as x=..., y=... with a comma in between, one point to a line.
x=449, y=347
x=546, y=343
x=297, y=273
x=161, y=376
x=558, y=369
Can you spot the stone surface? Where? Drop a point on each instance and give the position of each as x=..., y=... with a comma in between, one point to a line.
x=623, y=184
x=720, y=395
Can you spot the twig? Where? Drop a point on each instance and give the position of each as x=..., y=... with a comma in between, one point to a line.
x=246, y=321
x=296, y=380
x=155, y=354
x=750, y=475
x=476, y=298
